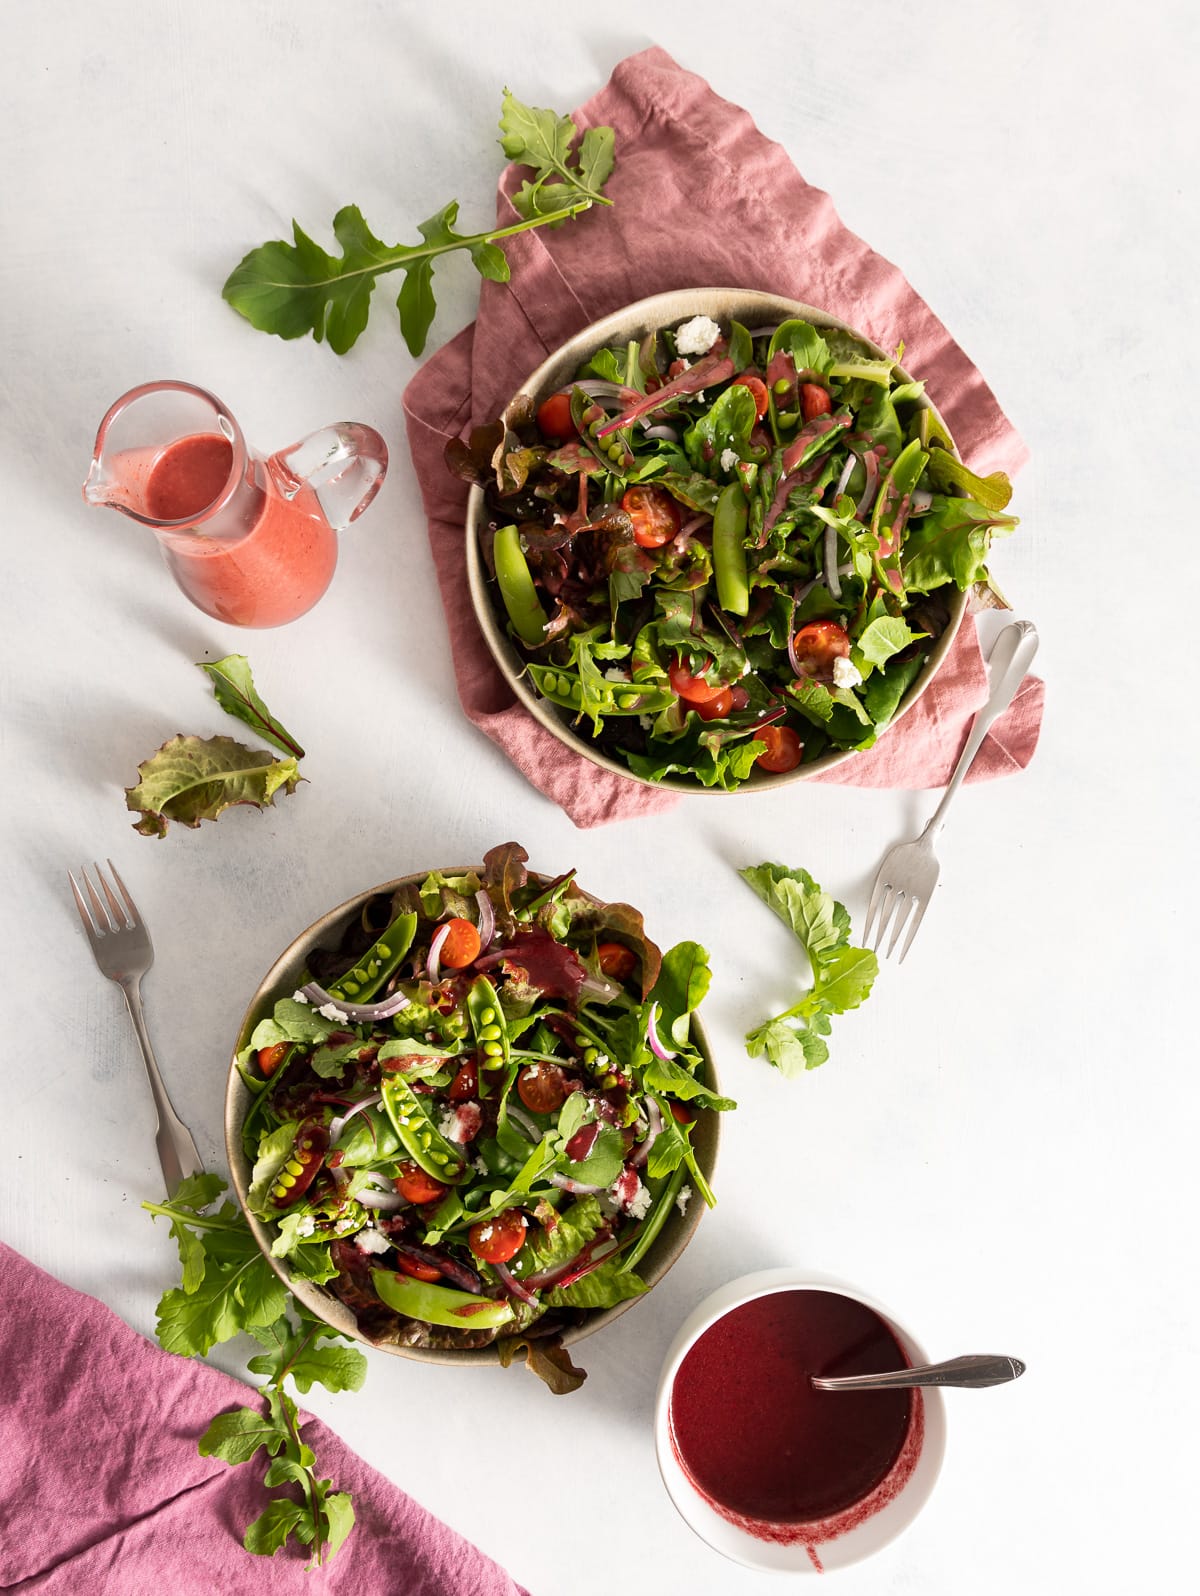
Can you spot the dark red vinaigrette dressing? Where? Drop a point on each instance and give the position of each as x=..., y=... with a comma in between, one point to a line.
x=187, y=476
x=770, y=1453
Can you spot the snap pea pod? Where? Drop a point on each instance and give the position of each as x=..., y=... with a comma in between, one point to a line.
x=360, y=983
x=490, y=1031
x=612, y=698
x=516, y=587
x=420, y=1138
x=654, y=1220
x=432, y=1304
x=729, y=550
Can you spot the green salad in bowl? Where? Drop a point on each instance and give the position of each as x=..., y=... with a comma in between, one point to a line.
x=472, y=1114
x=720, y=538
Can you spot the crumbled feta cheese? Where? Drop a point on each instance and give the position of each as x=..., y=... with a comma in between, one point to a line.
x=305, y=1225
x=645, y=722
x=681, y=1201
x=487, y=1232
x=448, y=1125
x=330, y=1011
x=600, y=1061
x=639, y=1204
x=299, y=997
x=481, y=1166
x=729, y=459
x=371, y=1241
x=696, y=337
x=614, y=673
x=845, y=673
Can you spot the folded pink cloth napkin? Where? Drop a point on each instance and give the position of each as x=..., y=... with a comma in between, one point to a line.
x=700, y=199
x=102, y=1489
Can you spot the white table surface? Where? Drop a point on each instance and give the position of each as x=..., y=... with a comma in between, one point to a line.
x=1002, y=1146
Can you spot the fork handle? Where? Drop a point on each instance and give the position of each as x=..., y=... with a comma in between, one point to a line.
x=176, y=1150
x=1012, y=655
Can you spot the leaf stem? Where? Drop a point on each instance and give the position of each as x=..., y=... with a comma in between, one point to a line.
x=196, y=1221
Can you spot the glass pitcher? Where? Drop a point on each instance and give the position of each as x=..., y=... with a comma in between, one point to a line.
x=251, y=539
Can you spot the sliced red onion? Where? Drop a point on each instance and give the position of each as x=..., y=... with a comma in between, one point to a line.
x=871, y=461
x=851, y=462
x=591, y=1257
x=652, y=1036
x=522, y=1120
x=373, y=1177
x=831, y=570
x=598, y=388
x=385, y=1202
x=763, y=332
x=487, y=921
x=642, y=1152
x=433, y=966
x=577, y=1188
x=341, y=1176
x=663, y=431
x=337, y=1126
x=693, y=524
x=514, y=1287
x=360, y=1013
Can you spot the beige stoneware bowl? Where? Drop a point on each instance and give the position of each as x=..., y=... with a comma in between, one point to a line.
x=752, y=309
x=281, y=980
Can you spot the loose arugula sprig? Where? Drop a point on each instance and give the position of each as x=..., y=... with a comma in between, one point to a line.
x=190, y=779
x=842, y=976
x=298, y=288
x=228, y=1286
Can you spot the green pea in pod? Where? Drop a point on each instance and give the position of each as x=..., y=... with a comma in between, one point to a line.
x=517, y=588
x=729, y=550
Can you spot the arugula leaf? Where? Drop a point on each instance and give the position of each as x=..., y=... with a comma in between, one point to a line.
x=224, y=1292
x=233, y=686
x=842, y=976
x=291, y=289
x=191, y=779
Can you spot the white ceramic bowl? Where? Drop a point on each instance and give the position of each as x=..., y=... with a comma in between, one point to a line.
x=821, y=1554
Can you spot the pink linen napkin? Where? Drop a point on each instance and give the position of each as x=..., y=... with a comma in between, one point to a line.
x=102, y=1489
x=700, y=199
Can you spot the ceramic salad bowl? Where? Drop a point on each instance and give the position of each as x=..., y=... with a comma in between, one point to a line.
x=501, y=1100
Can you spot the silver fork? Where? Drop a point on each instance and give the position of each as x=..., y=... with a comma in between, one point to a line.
x=909, y=871
x=122, y=948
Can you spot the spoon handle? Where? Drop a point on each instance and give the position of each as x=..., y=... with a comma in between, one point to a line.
x=975, y=1370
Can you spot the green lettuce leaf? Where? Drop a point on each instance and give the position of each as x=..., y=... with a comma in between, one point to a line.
x=191, y=779
x=951, y=544
x=604, y=1287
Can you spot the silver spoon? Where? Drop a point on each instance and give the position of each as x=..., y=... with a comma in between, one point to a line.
x=975, y=1370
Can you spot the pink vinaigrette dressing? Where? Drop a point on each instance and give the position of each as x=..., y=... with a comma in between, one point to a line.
x=277, y=570
x=770, y=1453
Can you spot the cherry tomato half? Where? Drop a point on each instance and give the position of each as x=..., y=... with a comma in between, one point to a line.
x=465, y=1084
x=814, y=400
x=418, y=1187
x=654, y=513
x=541, y=1088
x=461, y=946
x=417, y=1268
x=758, y=388
x=715, y=708
x=783, y=749
x=695, y=689
x=616, y=960
x=554, y=418
x=497, y=1240
x=270, y=1058
x=817, y=645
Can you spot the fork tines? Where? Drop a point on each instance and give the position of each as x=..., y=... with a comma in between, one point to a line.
x=101, y=921
x=885, y=902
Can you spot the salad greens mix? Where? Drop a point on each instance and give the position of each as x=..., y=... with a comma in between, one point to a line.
x=729, y=550
x=842, y=976
x=474, y=1120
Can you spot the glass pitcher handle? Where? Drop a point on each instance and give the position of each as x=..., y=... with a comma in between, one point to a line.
x=344, y=465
